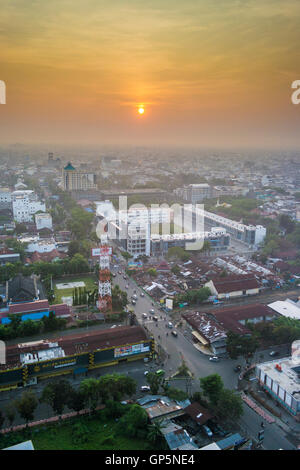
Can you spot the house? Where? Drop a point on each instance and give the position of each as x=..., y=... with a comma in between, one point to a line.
x=235, y=319
x=24, y=289
x=198, y=413
x=233, y=286
x=206, y=331
x=176, y=437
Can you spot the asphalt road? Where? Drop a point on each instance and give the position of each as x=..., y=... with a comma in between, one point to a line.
x=181, y=348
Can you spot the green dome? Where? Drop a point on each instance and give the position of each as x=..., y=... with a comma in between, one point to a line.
x=69, y=167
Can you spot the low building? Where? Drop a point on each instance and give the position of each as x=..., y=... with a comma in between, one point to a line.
x=286, y=308
x=43, y=220
x=8, y=256
x=27, y=363
x=34, y=311
x=24, y=289
x=281, y=378
x=177, y=437
x=233, y=286
x=207, y=331
x=198, y=413
x=25, y=204
x=235, y=319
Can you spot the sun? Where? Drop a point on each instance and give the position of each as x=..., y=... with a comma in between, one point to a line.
x=141, y=110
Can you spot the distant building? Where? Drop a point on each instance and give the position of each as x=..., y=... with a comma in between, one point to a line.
x=207, y=332
x=78, y=180
x=43, y=221
x=195, y=193
x=25, y=204
x=5, y=198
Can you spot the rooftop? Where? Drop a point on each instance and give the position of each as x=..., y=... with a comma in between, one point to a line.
x=287, y=375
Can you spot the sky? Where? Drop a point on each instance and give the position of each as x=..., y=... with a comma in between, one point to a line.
x=206, y=72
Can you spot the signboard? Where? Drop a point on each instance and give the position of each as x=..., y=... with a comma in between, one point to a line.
x=134, y=265
x=101, y=251
x=169, y=304
x=131, y=349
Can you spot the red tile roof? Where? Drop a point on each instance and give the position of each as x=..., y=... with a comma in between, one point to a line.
x=29, y=307
x=229, y=318
x=225, y=285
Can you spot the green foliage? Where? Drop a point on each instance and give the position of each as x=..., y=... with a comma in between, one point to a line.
x=152, y=272
x=119, y=298
x=26, y=405
x=176, y=394
x=193, y=296
x=229, y=406
x=237, y=345
x=212, y=386
x=178, y=253
x=155, y=382
x=80, y=433
x=134, y=423
x=57, y=395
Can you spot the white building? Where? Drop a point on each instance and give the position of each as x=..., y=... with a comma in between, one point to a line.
x=5, y=198
x=43, y=245
x=25, y=205
x=43, y=221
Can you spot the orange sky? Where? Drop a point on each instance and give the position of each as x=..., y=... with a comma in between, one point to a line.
x=208, y=72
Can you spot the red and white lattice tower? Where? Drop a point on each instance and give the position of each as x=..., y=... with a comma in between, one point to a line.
x=104, y=303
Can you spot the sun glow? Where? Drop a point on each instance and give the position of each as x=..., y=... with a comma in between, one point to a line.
x=141, y=110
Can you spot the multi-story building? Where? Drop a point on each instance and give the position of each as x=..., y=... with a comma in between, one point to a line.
x=25, y=204
x=78, y=180
x=195, y=193
x=43, y=221
x=5, y=198
x=281, y=378
x=249, y=234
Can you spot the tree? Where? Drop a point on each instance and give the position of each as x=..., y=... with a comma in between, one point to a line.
x=116, y=386
x=76, y=400
x=57, y=395
x=155, y=435
x=212, y=386
x=26, y=406
x=134, y=423
x=91, y=392
x=152, y=272
x=175, y=269
x=10, y=413
x=176, y=394
x=155, y=381
x=2, y=419
x=229, y=406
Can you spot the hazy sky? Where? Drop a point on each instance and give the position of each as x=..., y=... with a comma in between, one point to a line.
x=208, y=72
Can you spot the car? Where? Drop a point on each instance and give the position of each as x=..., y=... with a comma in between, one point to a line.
x=120, y=272
x=127, y=286
x=207, y=430
x=214, y=358
x=134, y=296
x=144, y=315
x=274, y=353
x=160, y=372
x=114, y=274
x=124, y=277
x=174, y=333
x=133, y=302
x=114, y=326
x=170, y=324
x=142, y=294
x=237, y=368
x=152, y=311
x=145, y=388
x=155, y=318
x=146, y=372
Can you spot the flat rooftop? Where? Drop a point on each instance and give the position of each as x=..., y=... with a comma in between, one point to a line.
x=289, y=376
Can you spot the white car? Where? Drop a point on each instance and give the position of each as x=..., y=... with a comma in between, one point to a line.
x=146, y=372
x=145, y=388
x=142, y=294
x=214, y=358
x=144, y=315
x=114, y=326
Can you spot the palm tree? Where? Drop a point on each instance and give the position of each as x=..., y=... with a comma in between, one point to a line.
x=155, y=431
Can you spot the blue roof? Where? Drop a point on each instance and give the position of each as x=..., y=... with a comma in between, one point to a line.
x=178, y=438
x=26, y=445
x=69, y=167
x=229, y=441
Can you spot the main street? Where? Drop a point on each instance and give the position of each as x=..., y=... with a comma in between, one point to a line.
x=180, y=347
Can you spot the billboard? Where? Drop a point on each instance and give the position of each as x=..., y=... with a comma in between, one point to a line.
x=169, y=304
x=134, y=265
x=131, y=349
x=101, y=251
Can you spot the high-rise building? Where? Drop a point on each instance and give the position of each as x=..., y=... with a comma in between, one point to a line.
x=78, y=180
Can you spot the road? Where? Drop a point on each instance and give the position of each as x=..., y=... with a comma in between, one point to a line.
x=182, y=348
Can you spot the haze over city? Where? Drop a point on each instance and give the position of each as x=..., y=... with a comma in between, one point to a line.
x=206, y=73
